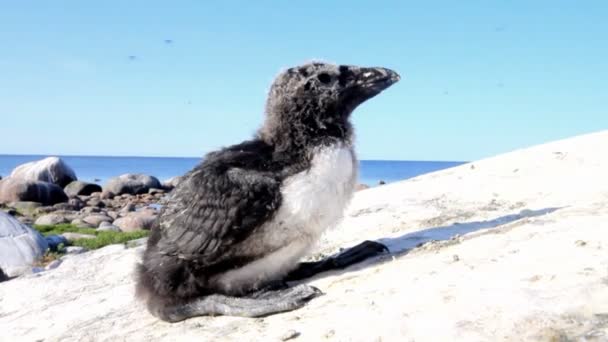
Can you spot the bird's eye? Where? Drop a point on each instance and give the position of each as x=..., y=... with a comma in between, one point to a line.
x=324, y=78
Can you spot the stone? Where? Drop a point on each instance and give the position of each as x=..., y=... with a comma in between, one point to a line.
x=90, y=210
x=75, y=250
x=155, y=191
x=80, y=188
x=129, y=207
x=171, y=183
x=50, y=219
x=108, y=228
x=95, y=219
x=77, y=236
x=96, y=202
x=131, y=184
x=25, y=207
x=53, y=264
x=76, y=203
x=17, y=190
x=52, y=170
x=135, y=221
x=3, y=276
x=20, y=246
x=80, y=223
x=64, y=206
x=56, y=241
x=137, y=242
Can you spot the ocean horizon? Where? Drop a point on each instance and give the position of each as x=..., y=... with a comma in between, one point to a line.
x=98, y=169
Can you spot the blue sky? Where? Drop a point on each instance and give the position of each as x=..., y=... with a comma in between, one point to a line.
x=478, y=77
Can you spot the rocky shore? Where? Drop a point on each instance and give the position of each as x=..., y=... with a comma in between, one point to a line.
x=48, y=193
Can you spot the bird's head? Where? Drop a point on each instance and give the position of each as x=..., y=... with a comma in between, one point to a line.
x=318, y=98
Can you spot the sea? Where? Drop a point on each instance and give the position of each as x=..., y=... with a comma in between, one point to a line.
x=98, y=169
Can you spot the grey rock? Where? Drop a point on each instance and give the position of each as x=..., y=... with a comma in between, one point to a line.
x=81, y=224
x=108, y=228
x=131, y=184
x=90, y=210
x=54, y=241
x=25, y=207
x=76, y=203
x=53, y=264
x=129, y=207
x=96, y=202
x=80, y=188
x=64, y=206
x=51, y=219
x=52, y=170
x=75, y=250
x=155, y=191
x=135, y=221
x=96, y=219
x=171, y=183
x=76, y=236
x=16, y=190
x=20, y=245
x=26, y=220
x=137, y=242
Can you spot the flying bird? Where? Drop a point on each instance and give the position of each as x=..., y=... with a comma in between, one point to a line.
x=232, y=232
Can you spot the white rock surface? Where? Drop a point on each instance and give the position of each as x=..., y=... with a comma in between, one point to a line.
x=20, y=246
x=51, y=169
x=521, y=255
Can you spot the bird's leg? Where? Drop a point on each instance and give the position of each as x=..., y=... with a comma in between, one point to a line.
x=259, y=304
x=351, y=256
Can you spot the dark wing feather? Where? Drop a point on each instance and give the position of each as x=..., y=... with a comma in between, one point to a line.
x=219, y=204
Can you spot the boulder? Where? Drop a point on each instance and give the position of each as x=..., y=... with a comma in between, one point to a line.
x=25, y=207
x=20, y=246
x=52, y=170
x=135, y=221
x=51, y=219
x=172, y=182
x=106, y=226
x=96, y=219
x=80, y=188
x=16, y=190
x=131, y=184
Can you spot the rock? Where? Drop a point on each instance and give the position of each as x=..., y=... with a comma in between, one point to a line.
x=76, y=203
x=96, y=202
x=289, y=335
x=108, y=228
x=80, y=188
x=137, y=242
x=80, y=223
x=50, y=219
x=11, y=211
x=20, y=245
x=75, y=250
x=53, y=264
x=64, y=206
x=131, y=184
x=25, y=207
x=26, y=220
x=52, y=170
x=56, y=241
x=90, y=210
x=171, y=183
x=16, y=190
x=154, y=191
x=112, y=214
x=381, y=182
x=135, y=221
x=76, y=236
x=129, y=207
x=96, y=219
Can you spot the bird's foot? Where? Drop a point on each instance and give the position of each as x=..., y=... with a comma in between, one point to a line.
x=263, y=304
x=365, y=250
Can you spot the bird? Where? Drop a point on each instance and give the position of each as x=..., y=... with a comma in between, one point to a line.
x=230, y=236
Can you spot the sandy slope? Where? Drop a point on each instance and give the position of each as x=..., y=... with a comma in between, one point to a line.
x=522, y=254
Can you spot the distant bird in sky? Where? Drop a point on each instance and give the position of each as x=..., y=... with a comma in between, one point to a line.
x=132, y=58
x=168, y=41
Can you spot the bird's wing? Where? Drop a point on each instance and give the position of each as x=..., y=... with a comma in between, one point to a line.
x=218, y=205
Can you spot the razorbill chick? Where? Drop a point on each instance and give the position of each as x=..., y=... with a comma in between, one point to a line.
x=232, y=232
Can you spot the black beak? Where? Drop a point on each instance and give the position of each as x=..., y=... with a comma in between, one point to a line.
x=375, y=79
x=365, y=83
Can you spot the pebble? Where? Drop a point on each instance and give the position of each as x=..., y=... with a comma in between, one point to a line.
x=289, y=335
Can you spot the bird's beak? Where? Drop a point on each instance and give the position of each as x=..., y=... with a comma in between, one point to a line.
x=366, y=83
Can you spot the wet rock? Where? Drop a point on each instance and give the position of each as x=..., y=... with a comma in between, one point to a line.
x=52, y=170
x=131, y=184
x=79, y=188
x=17, y=190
